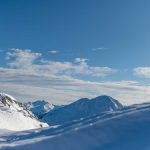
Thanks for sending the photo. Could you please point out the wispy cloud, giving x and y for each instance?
(99, 49)
(81, 60)
(54, 51)
(28, 72)
(19, 58)
(65, 89)
(142, 71)
(30, 77)
(25, 61)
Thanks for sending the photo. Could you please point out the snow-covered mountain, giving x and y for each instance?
(41, 107)
(126, 129)
(81, 109)
(15, 116)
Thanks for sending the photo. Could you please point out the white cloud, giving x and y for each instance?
(25, 61)
(54, 51)
(99, 49)
(142, 71)
(22, 58)
(81, 60)
(65, 89)
(84, 68)
(54, 81)
(28, 72)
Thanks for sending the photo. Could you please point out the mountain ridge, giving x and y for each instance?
(82, 108)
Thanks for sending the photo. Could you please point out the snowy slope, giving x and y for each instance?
(81, 109)
(127, 129)
(15, 116)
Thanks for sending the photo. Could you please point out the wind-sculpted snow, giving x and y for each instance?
(126, 129)
(81, 109)
(15, 116)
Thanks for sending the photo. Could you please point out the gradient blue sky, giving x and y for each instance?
(113, 34)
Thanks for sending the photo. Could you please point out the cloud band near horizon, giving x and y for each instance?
(29, 76)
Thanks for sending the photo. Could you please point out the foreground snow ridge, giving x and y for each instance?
(126, 129)
(15, 116)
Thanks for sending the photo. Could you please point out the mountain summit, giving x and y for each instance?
(40, 107)
(82, 108)
(15, 116)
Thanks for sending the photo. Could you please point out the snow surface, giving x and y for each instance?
(14, 115)
(81, 109)
(126, 129)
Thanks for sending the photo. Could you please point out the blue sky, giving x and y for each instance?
(100, 41)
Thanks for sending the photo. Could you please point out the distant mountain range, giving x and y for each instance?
(101, 123)
(80, 109)
(124, 128)
(15, 115)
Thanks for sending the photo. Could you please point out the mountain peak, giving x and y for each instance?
(82, 108)
(14, 115)
(103, 97)
(109, 101)
(6, 99)
(40, 107)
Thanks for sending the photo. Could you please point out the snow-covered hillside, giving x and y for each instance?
(105, 125)
(126, 129)
(15, 116)
(81, 109)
